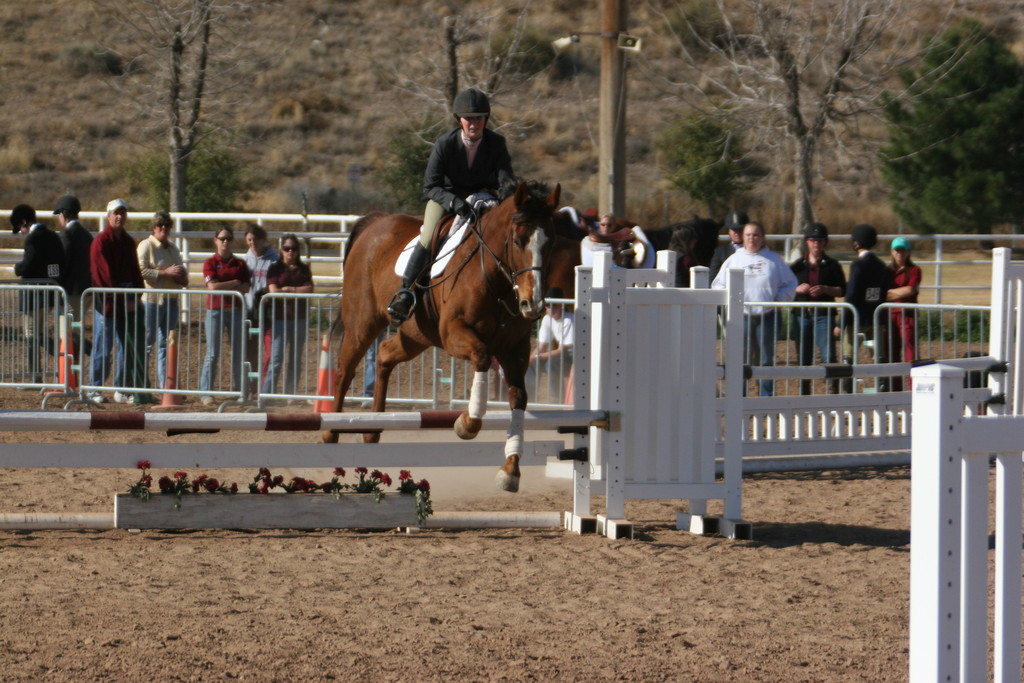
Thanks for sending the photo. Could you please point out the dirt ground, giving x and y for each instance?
(820, 594)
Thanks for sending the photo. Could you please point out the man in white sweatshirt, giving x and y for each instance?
(766, 277)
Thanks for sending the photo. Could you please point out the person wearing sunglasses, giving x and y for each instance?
(288, 327)
(162, 268)
(223, 273)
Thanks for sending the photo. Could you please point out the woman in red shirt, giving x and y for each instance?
(289, 328)
(906, 281)
(223, 272)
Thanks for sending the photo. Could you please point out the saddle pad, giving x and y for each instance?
(444, 255)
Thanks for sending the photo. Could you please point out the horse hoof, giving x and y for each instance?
(506, 481)
(329, 437)
(467, 427)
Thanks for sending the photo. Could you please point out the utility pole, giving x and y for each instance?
(612, 147)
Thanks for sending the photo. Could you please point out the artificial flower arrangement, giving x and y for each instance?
(374, 482)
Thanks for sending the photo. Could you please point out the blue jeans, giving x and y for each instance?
(160, 319)
(216, 321)
(759, 339)
(287, 335)
(105, 329)
(814, 328)
(370, 366)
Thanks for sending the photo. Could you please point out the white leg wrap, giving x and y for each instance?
(478, 395)
(514, 436)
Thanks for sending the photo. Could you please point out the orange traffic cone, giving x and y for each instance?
(171, 401)
(64, 358)
(326, 378)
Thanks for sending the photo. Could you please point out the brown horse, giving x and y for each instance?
(483, 305)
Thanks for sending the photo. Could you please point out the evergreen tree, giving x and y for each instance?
(701, 154)
(955, 157)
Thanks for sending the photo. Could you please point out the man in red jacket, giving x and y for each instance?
(114, 264)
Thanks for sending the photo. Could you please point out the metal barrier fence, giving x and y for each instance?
(243, 369)
(30, 336)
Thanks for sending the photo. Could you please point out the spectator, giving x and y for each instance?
(77, 242)
(906, 282)
(258, 260)
(223, 272)
(553, 355)
(289, 327)
(766, 277)
(866, 289)
(162, 268)
(114, 264)
(735, 222)
(820, 279)
(42, 260)
(684, 243)
(467, 159)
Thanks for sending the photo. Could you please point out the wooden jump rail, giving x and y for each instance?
(344, 423)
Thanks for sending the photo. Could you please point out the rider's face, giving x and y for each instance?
(473, 127)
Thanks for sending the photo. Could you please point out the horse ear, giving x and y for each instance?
(522, 194)
(553, 197)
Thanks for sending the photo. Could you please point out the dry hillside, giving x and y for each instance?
(322, 100)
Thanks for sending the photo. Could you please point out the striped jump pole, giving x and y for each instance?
(182, 423)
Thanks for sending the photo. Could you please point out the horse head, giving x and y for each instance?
(531, 232)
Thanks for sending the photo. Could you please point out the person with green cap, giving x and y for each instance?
(906, 282)
(467, 159)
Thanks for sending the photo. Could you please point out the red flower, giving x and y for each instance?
(361, 470)
(264, 472)
(339, 471)
(181, 476)
(327, 486)
(143, 465)
(424, 485)
(234, 487)
(404, 474)
(278, 480)
(385, 479)
(165, 484)
(211, 485)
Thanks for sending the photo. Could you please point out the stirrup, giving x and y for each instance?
(402, 303)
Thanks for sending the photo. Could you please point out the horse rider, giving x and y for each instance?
(467, 159)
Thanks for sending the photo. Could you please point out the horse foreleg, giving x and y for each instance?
(515, 374)
(467, 426)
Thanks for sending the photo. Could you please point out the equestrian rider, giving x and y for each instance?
(467, 159)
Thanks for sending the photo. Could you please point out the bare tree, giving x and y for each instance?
(189, 55)
(797, 76)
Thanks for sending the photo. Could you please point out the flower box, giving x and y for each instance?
(266, 511)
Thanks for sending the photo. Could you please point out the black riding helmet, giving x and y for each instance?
(816, 231)
(471, 102)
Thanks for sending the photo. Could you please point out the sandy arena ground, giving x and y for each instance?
(820, 594)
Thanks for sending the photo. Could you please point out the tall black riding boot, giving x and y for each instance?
(402, 303)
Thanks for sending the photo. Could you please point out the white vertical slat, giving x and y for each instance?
(937, 442)
(973, 567)
(1007, 628)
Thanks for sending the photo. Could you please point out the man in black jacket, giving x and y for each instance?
(465, 160)
(41, 264)
(866, 288)
(735, 222)
(77, 241)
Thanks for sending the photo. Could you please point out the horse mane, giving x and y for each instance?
(535, 209)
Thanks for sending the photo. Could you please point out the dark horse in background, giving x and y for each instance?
(483, 305)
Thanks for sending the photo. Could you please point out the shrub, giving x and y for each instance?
(81, 59)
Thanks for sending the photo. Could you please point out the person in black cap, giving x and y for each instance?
(40, 264)
(821, 280)
(866, 290)
(466, 160)
(734, 222)
(77, 241)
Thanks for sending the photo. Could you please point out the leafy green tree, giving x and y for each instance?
(216, 179)
(955, 157)
(702, 158)
(405, 162)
